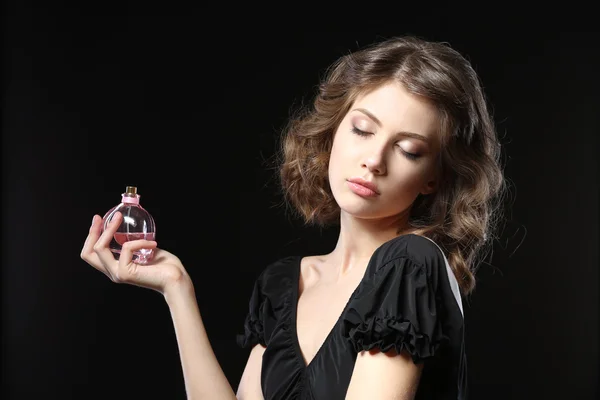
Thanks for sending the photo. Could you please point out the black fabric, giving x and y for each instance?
(403, 302)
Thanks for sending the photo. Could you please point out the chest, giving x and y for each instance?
(318, 311)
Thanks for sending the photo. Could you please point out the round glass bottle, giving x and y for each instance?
(137, 223)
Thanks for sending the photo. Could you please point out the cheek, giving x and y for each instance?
(407, 180)
(346, 147)
(338, 156)
(333, 161)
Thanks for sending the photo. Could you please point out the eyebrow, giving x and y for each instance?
(378, 122)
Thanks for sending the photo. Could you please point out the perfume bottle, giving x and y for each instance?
(137, 223)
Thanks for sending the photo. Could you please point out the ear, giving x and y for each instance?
(430, 187)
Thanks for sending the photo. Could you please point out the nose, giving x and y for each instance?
(375, 163)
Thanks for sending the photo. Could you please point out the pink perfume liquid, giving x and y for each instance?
(121, 237)
(137, 223)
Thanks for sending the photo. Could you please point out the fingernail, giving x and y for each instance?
(93, 218)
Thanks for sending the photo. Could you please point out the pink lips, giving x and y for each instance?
(363, 187)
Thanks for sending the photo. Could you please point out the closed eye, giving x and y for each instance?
(410, 156)
(360, 132)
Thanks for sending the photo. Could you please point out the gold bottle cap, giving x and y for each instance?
(131, 191)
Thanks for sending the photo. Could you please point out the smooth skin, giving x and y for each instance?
(373, 149)
(204, 378)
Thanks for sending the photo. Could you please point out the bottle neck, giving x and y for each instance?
(130, 199)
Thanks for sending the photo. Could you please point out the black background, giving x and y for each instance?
(190, 115)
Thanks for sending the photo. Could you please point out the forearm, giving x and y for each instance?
(203, 376)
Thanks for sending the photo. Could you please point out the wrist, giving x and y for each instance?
(179, 290)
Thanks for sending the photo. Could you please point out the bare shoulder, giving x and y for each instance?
(312, 269)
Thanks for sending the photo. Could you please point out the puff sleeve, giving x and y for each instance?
(268, 302)
(397, 308)
(254, 323)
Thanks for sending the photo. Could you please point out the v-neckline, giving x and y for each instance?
(294, 313)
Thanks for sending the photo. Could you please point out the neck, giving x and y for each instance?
(359, 238)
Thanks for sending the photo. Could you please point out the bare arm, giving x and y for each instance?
(250, 388)
(384, 376)
(203, 376)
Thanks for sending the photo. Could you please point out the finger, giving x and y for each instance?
(101, 248)
(109, 232)
(87, 252)
(91, 239)
(129, 271)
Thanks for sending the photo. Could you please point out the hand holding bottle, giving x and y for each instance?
(163, 272)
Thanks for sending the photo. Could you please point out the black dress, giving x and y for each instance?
(408, 299)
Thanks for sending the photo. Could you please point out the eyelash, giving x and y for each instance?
(408, 155)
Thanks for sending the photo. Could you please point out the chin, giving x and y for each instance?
(365, 215)
(363, 211)
(357, 207)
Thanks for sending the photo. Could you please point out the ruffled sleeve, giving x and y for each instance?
(269, 301)
(253, 324)
(398, 307)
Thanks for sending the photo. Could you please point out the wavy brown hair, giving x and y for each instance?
(462, 214)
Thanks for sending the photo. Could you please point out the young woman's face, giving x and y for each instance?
(388, 139)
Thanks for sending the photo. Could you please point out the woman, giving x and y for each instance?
(399, 149)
